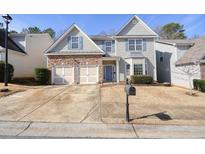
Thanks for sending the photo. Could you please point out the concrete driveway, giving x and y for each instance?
(53, 104)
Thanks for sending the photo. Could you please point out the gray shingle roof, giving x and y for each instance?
(11, 44)
(101, 37)
(195, 54)
(177, 42)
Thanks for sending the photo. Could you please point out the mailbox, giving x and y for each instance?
(130, 90)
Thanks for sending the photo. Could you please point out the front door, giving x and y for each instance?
(109, 73)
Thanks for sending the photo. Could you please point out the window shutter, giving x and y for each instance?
(69, 42)
(144, 45)
(113, 45)
(81, 42)
(126, 44)
(103, 45)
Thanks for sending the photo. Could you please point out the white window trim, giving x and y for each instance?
(143, 69)
(75, 42)
(110, 46)
(135, 45)
(126, 70)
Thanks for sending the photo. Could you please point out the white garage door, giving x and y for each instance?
(63, 75)
(88, 74)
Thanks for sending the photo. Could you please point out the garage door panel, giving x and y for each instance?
(83, 79)
(92, 71)
(88, 74)
(83, 75)
(83, 71)
(58, 71)
(68, 71)
(58, 80)
(68, 80)
(63, 75)
(92, 79)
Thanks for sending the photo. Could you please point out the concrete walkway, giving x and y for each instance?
(81, 130)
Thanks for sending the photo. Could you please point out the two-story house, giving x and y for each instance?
(76, 58)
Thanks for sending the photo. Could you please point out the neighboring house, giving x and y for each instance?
(172, 53)
(26, 52)
(195, 56)
(76, 58)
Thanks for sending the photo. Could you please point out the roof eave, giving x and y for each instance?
(64, 54)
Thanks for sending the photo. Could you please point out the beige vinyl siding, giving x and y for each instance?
(35, 45)
(135, 29)
(149, 55)
(64, 47)
(100, 44)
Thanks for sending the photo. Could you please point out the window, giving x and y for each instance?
(139, 45)
(128, 69)
(1, 58)
(74, 42)
(131, 45)
(138, 69)
(135, 45)
(108, 46)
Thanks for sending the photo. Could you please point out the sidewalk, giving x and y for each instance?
(78, 130)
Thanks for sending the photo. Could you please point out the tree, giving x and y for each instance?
(171, 31)
(50, 31)
(103, 33)
(25, 31)
(112, 31)
(34, 30)
(190, 71)
(13, 32)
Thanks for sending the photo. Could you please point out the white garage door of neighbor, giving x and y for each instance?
(88, 74)
(63, 75)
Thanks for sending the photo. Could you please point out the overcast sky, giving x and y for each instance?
(95, 24)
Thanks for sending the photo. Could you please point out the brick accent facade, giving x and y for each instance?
(202, 69)
(76, 60)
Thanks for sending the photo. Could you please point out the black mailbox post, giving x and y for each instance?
(129, 90)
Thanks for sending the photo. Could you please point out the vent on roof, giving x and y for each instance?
(134, 21)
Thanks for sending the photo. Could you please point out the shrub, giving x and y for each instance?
(199, 85)
(202, 85)
(42, 75)
(141, 79)
(196, 84)
(10, 71)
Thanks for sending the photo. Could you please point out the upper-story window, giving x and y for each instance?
(108, 46)
(135, 45)
(74, 42)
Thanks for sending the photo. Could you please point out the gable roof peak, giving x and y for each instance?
(140, 20)
(66, 33)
